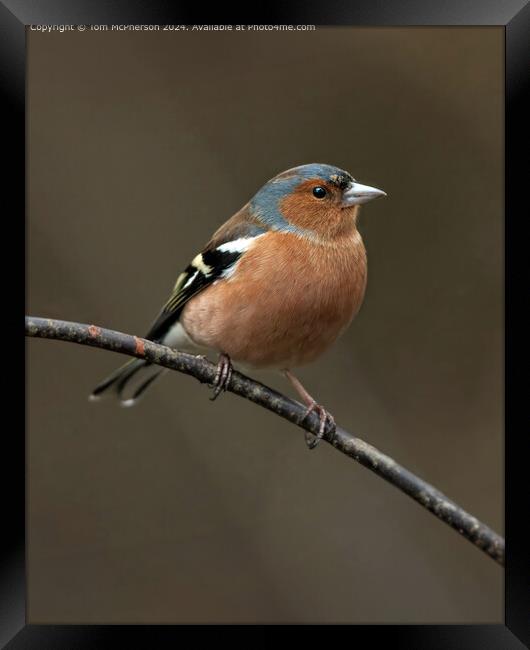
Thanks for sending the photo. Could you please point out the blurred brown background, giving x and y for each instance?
(140, 144)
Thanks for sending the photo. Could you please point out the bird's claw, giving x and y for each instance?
(326, 420)
(222, 376)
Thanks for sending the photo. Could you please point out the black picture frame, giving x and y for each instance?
(15, 15)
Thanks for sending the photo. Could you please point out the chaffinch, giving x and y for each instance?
(273, 288)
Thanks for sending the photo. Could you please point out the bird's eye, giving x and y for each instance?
(319, 192)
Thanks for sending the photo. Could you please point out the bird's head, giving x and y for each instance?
(314, 199)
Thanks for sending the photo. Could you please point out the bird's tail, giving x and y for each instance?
(128, 382)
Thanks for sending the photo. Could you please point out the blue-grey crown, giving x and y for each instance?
(328, 173)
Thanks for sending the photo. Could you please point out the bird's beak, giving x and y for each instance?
(357, 194)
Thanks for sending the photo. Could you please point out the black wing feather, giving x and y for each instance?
(210, 266)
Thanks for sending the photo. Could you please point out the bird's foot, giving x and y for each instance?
(326, 420)
(222, 376)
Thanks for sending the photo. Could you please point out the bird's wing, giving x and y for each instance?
(216, 261)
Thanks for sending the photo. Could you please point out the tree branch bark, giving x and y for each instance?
(426, 495)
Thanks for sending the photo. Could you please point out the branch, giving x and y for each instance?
(426, 495)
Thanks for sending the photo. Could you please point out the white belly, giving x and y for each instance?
(178, 339)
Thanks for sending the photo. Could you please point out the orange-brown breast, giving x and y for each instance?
(286, 303)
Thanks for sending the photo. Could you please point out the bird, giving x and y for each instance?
(273, 288)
